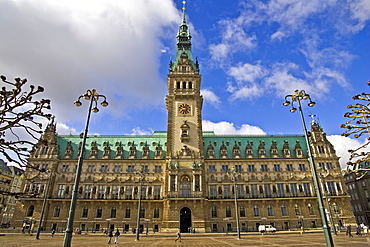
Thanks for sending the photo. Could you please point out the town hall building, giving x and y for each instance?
(187, 181)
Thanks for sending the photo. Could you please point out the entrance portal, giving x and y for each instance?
(185, 219)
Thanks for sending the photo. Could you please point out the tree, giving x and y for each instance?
(358, 125)
(20, 119)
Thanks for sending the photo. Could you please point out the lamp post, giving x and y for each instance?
(297, 96)
(44, 205)
(232, 172)
(327, 199)
(92, 96)
(141, 175)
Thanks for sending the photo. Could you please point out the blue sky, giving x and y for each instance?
(251, 54)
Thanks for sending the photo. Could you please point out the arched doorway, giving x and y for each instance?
(185, 219)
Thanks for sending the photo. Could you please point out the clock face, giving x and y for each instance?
(184, 109)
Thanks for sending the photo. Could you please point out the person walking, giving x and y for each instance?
(358, 231)
(366, 230)
(349, 233)
(110, 235)
(116, 236)
(52, 233)
(178, 236)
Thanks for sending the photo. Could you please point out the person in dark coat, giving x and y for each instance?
(349, 231)
(178, 236)
(110, 235)
(116, 236)
(358, 231)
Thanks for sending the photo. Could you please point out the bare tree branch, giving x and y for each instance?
(20, 114)
(358, 125)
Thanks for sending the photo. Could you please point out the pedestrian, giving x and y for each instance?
(366, 230)
(110, 235)
(349, 231)
(178, 236)
(358, 231)
(52, 233)
(23, 229)
(116, 236)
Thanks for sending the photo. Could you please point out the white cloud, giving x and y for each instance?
(342, 144)
(71, 46)
(224, 127)
(139, 131)
(210, 97)
(64, 129)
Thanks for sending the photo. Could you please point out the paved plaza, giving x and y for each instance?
(286, 239)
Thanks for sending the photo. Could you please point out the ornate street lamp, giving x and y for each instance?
(141, 174)
(44, 205)
(92, 96)
(233, 173)
(297, 96)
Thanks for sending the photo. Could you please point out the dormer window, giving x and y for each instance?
(261, 150)
(223, 151)
(286, 150)
(158, 152)
(132, 152)
(210, 152)
(236, 151)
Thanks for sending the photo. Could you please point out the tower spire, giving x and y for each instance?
(183, 44)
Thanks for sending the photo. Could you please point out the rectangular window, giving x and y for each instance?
(329, 165)
(228, 212)
(156, 213)
(104, 168)
(289, 167)
(264, 168)
(158, 169)
(91, 168)
(61, 190)
(88, 191)
(157, 192)
(212, 191)
(302, 167)
(240, 190)
(211, 168)
(331, 188)
(65, 168)
(254, 190)
(227, 193)
(214, 212)
(225, 168)
(293, 189)
(145, 169)
(115, 191)
(101, 191)
(267, 189)
(280, 190)
(277, 168)
(251, 168)
(131, 169)
(307, 188)
(238, 168)
(322, 165)
(256, 211)
(117, 168)
(129, 192)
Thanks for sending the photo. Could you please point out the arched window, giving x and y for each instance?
(214, 212)
(128, 212)
(270, 210)
(113, 212)
(85, 212)
(242, 211)
(283, 211)
(30, 210)
(56, 211)
(190, 85)
(142, 212)
(184, 85)
(185, 186)
(178, 85)
(99, 212)
(256, 211)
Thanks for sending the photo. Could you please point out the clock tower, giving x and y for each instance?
(184, 102)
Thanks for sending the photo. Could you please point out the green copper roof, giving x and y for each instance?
(159, 138)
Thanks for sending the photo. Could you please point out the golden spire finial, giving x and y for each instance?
(183, 5)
